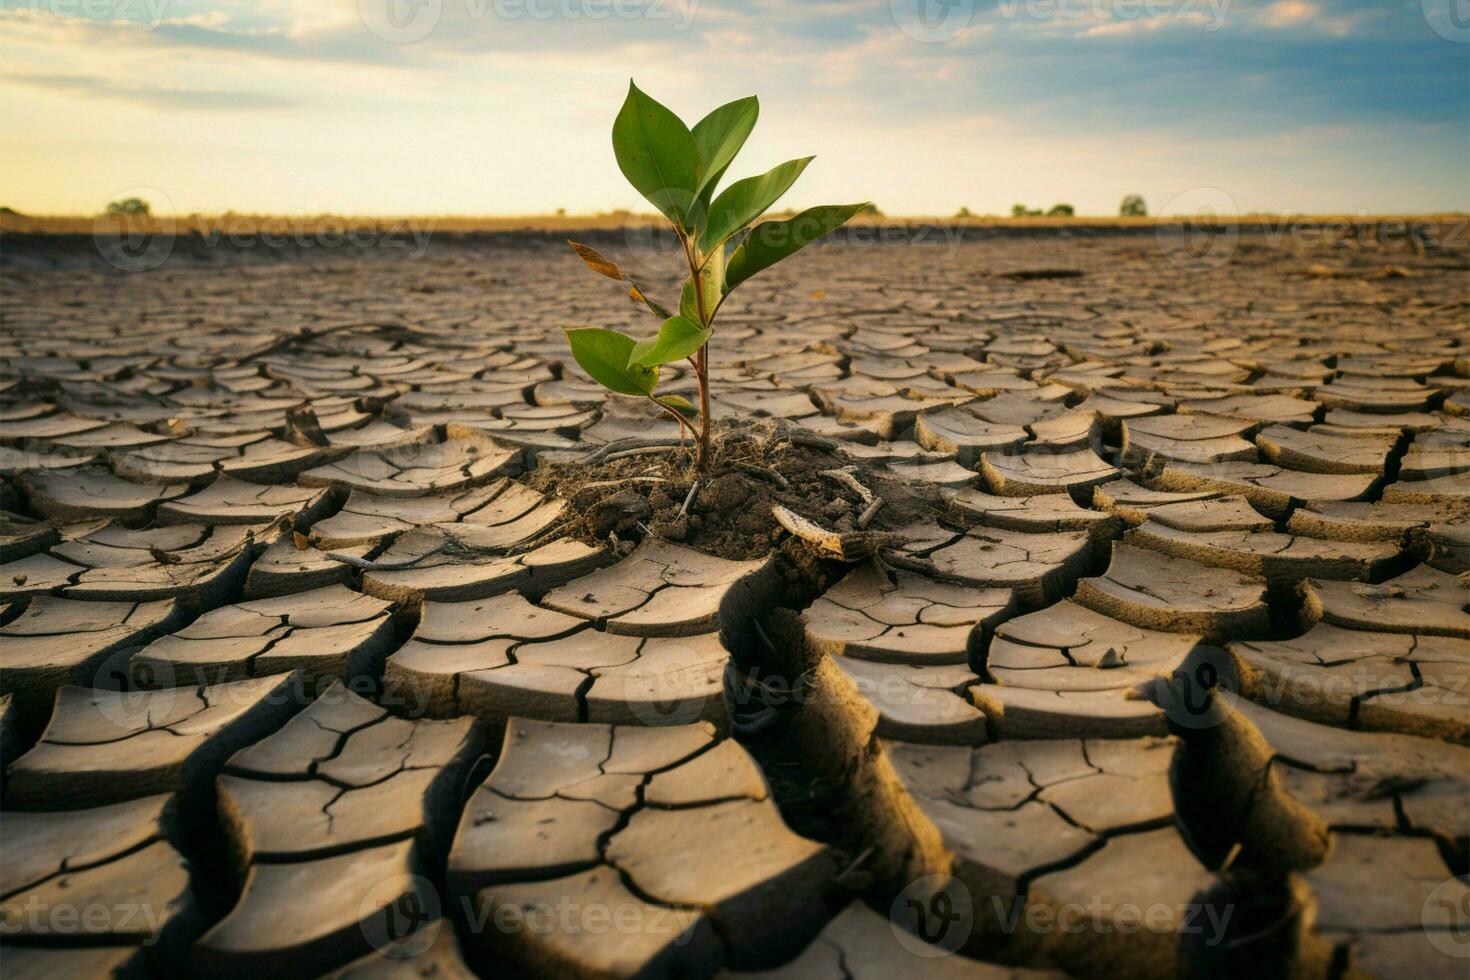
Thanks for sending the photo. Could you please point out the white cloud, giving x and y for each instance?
(1119, 28)
(1287, 13)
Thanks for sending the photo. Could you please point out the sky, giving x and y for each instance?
(504, 107)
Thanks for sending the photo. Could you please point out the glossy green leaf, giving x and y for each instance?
(745, 200)
(712, 284)
(676, 339)
(657, 153)
(602, 265)
(679, 404)
(604, 355)
(687, 306)
(719, 137)
(771, 241)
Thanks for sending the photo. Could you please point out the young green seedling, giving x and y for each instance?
(677, 169)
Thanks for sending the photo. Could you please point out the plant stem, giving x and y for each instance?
(703, 375)
(684, 423)
(701, 359)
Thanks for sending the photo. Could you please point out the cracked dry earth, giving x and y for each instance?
(299, 678)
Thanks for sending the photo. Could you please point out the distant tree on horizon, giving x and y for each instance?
(1133, 206)
(1061, 211)
(131, 206)
(1022, 211)
(963, 213)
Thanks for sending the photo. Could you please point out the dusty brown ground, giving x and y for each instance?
(332, 639)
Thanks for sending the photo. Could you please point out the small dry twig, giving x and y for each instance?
(765, 473)
(387, 566)
(845, 477)
(867, 516)
(853, 546)
(601, 453)
(639, 451)
(689, 499)
(798, 438)
(627, 479)
(856, 863)
(753, 723)
(894, 560)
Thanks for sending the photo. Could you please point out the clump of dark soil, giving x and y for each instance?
(753, 467)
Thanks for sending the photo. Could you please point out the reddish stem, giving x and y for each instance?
(703, 375)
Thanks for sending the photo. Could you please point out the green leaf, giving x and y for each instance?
(771, 241)
(687, 305)
(745, 200)
(719, 137)
(679, 404)
(712, 284)
(602, 265)
(657, 153)
(604, 354)
(676, 339)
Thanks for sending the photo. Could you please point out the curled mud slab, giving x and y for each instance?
(1024, 625)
